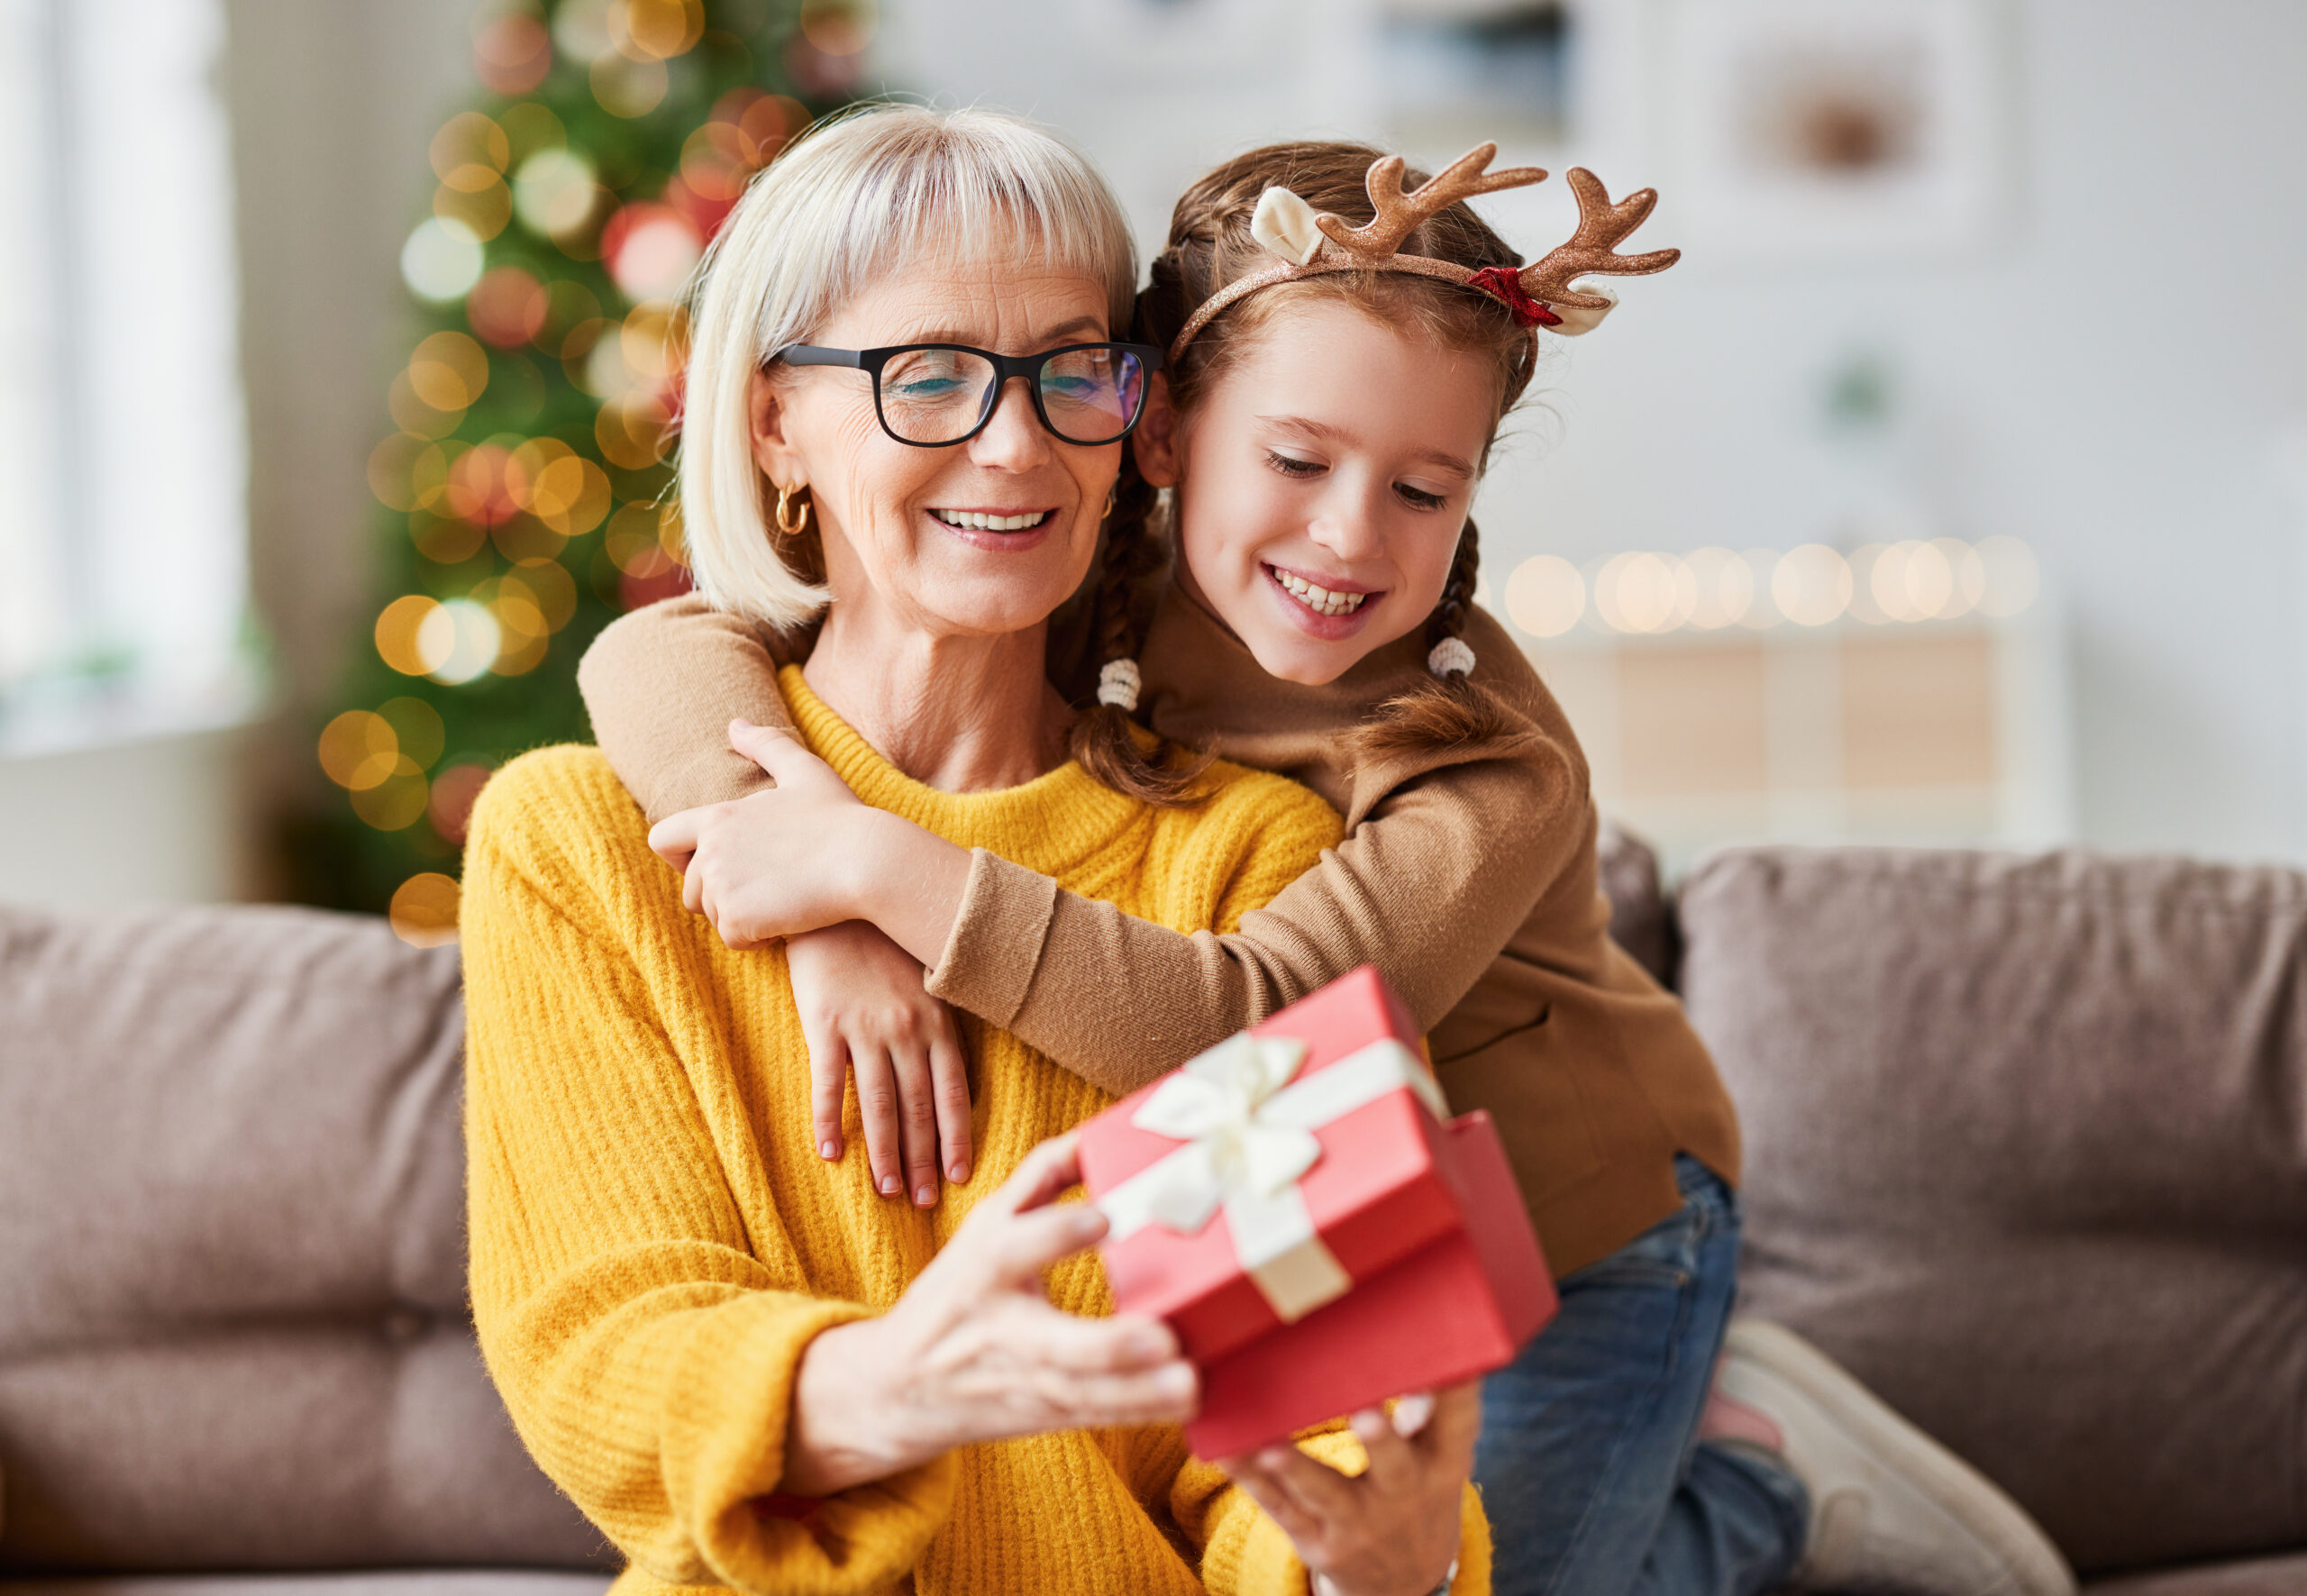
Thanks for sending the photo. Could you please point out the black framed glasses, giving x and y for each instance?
(932, 396)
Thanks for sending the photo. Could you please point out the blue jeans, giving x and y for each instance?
(1590, 1465)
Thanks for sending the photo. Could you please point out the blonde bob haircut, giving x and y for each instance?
(857, 197)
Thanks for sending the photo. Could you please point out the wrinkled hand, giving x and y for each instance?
(974, 1351)
(776, 864)
(863, 1009)
(1392, 1530)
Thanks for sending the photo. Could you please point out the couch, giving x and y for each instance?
(2027, 1141)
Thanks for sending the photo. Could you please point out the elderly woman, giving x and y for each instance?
(746, 1367)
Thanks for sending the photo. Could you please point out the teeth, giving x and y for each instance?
(984, 522)
(1316, 598)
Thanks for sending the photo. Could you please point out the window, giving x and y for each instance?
(123, 454)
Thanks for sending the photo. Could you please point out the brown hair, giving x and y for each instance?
(1209, 246)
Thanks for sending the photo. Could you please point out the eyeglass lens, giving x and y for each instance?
(936, 395)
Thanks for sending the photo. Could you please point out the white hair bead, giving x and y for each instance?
(1451, 654)
(1118, 684)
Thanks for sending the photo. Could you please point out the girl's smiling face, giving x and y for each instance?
(1322, 481)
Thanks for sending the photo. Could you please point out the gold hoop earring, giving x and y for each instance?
(798, 525)
(1112, 494)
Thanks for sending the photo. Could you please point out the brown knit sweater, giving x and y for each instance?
(1594, 1076)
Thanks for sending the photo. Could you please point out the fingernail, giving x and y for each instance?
(1270, 1458)
(1149, 1343)
(1175, 1381)
(958, 1172)
(889, 1186)
(926, 1194)
(828, 1151)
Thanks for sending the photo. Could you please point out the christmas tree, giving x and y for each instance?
(526, 484)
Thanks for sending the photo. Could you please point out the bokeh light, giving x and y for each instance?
(531, 127)
(441, 259)
(650, 250)
(629, 88)
(481, 212)
(397, 801)
(508, 307)
(580, 28)
(424, 912)
(413, 416)
(1545, 596)
(444, 540)
(448, 372)
(839, 27)
(634, 432)
(1713, 588)
(555, 195)
(471, 153)
(454, 795)
(458, 640)
(400, 634)
(511, 54)
(1811, 585)
(656, 30)
(359, 750)
(1635, 592)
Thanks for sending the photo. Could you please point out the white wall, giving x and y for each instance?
(2111, 380)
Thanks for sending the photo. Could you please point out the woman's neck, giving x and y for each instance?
(958, 713)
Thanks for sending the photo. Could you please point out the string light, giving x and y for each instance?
(1639, 592)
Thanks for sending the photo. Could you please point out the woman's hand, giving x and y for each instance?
(863, 1007)
(1393, 1529)
(973, 1351)
(779, 862)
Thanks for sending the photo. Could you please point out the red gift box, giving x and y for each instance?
(1297, 1206)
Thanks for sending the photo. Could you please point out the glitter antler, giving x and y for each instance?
(1601, 227)
(1398, 214)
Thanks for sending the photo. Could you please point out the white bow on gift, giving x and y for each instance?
(1249, 1137)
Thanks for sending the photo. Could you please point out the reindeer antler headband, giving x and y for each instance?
(1312, 244)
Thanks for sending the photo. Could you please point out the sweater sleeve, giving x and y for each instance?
(662, 685)
(646, 1343)
(1429, 888)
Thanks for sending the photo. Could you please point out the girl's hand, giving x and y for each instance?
(974, 1351)
(863, 1007)
(779, 862)
(1392, 1530)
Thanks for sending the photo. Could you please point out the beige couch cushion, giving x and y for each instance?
(233, 1332)
(2027, 1148)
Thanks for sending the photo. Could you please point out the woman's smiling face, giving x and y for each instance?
(979, 538)
(1322, 482)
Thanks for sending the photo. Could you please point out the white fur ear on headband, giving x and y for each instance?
(1284, 224)
(1579, 318)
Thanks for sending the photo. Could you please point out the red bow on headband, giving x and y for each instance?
(1504, 284)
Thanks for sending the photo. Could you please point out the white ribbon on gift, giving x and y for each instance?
(1248, 1131)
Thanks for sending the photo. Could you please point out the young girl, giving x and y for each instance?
(1340, 356)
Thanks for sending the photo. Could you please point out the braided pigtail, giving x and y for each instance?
(1450, 709)
(1103, 738)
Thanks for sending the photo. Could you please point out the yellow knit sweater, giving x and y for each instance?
(655, 1241)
